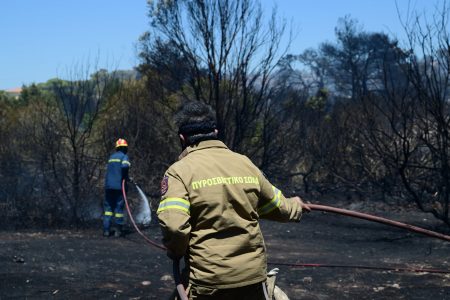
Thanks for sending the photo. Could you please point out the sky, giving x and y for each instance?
(44, 39)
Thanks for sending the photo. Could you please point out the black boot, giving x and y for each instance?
(118, 231)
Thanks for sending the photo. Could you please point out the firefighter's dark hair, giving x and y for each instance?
(196, 121)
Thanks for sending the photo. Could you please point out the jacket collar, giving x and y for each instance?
(202, 145)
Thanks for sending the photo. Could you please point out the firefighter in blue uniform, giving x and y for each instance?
(117, 170)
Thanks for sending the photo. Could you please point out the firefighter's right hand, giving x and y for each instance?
(305, 207)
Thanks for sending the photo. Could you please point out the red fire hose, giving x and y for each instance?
(392, 268)
(134, 223)
(345, 212)
(359, 215)
(176, 263)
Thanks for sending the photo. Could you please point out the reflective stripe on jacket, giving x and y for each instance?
(117, 169)
(211, 203)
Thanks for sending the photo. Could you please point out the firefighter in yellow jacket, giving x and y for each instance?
(212, 199)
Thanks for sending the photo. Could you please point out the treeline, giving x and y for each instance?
(363, 114)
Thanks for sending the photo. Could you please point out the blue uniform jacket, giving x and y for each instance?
(118, 165)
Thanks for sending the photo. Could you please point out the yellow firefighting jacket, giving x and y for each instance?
(211, 201)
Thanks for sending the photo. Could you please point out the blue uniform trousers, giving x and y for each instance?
(113, 207)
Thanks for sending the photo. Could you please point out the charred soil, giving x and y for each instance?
(82, 264)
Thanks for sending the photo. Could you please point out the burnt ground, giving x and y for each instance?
(63, 264)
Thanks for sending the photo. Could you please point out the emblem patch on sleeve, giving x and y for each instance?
(164, 185)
